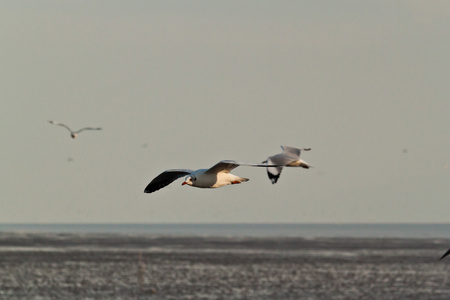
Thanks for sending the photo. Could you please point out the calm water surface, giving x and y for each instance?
(251, 230)
(223, 261)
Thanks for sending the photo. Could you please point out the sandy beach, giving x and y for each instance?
(112, 266)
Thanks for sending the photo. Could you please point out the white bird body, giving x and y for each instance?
(74, 134)
(205, 179)
(290, 157)
(217, 176)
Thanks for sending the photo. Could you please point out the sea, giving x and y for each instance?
(306, 230)
(224, 261)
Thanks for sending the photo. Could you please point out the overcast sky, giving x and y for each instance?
(185, 84)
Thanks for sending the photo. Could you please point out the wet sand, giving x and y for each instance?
(108, 266)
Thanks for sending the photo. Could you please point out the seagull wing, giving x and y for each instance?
(275, 172)
(165, 178)
(227, 165)
(281, 159)
(60, 124)
(445, 254)
(88, 128)
(292, 151)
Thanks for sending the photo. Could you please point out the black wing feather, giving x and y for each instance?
(87, 128)
(273, 177)
(445, 254)
(164, 179)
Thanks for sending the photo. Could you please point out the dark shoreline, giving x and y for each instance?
(105, 240)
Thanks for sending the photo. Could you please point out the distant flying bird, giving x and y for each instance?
(290, 157)
(445, 254)
(74, 134)
(217, 176)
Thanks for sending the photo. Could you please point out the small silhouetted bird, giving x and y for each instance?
(74, 134)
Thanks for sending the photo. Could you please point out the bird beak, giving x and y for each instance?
(184, 182)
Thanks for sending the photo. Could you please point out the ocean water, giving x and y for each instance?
(251, 230)
(224, 261)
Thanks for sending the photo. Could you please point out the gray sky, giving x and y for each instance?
(359, 82)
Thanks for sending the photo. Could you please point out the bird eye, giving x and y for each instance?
(194, 179)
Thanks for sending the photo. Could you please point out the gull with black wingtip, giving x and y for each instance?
(217, 176)
(290, 157)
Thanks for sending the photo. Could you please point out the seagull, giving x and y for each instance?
(290, 157)
(217, 176)
(74, 134)
(445, 254)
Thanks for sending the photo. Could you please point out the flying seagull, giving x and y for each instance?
(445, 254)
(74, 134)
(290, 157)
(214, 177)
